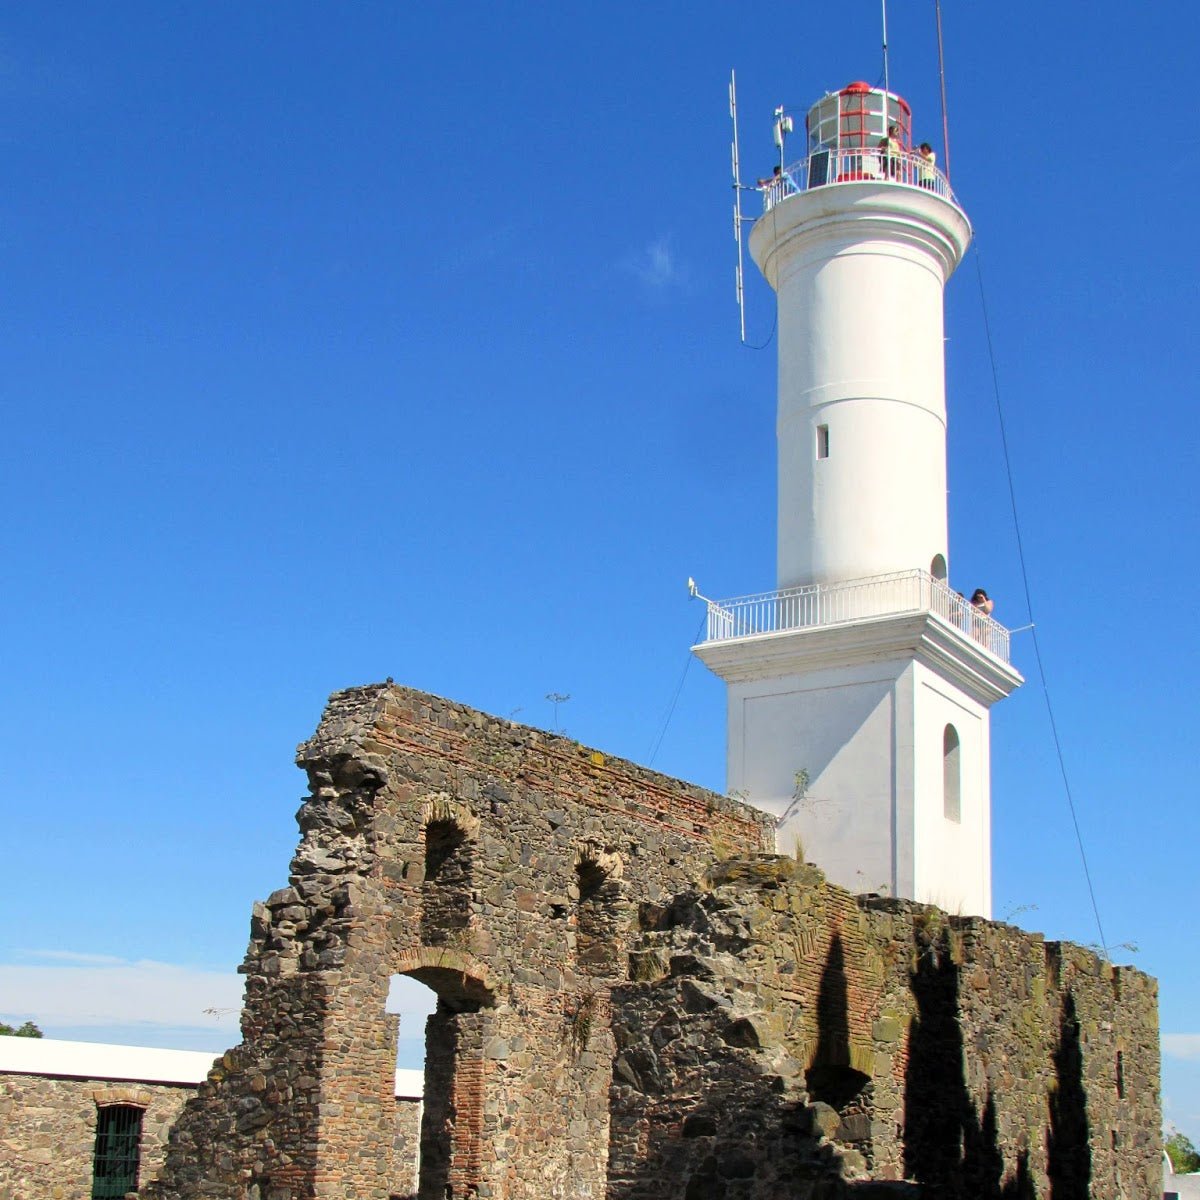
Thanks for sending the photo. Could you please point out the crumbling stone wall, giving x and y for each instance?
(780, 1037)
(48, 1131)
(501, 866)
(635, 999)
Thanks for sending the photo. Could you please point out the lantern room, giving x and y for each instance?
(857, 117)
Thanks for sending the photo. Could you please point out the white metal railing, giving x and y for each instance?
(823, 168)
(822, 604)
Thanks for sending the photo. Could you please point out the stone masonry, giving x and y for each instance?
(48, 1131)
(637, 999)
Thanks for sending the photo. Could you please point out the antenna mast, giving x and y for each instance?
(886, 86)
(737, 204)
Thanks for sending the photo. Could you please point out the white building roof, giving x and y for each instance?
(134, 1064)
(410, 1085)
(95, 1060)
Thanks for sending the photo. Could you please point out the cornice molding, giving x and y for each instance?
(922, 637)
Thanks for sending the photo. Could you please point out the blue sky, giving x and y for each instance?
(350, 341)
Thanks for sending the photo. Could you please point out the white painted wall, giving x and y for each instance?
(870, 737)
(838, 726)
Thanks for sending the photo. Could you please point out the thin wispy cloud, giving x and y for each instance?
(657, 266)
(84, 991)
(1182, 1045)
(74, 957)
(98, 990)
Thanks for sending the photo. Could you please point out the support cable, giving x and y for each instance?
(775, 319)
(678, 688)
(1012, 496)
(937, 8)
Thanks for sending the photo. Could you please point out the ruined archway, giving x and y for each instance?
(456, 1035)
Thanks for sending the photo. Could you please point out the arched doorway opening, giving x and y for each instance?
(454, 998)
(409, 1006)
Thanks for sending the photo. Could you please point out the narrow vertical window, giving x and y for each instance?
(1120, 1075)
(446, 892)
(822, 441)
(118, 1150)
(951, 775)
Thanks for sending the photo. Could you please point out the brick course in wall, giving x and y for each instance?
(636, 999)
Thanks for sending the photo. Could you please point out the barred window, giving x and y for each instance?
(118, 1148)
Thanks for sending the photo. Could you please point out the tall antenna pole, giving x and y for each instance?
(737, 205)
(886, 85)
(937, 8)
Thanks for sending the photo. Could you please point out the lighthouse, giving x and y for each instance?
(859, 691)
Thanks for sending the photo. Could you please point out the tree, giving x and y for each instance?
(1185, 1158)
(29, 1029)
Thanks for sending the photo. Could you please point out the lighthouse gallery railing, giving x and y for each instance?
(825, 167)
(853, 600)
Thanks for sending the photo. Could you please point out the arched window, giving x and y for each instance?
(937, 568)
(118, 1151)
(951, 775)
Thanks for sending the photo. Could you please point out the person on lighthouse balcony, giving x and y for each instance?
(983, 602)
(981, 605)
(926, 168)
(892, 149)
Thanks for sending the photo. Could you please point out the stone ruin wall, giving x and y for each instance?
(636, 999)
(48, 1131)
(777, 1030)
(450, 846)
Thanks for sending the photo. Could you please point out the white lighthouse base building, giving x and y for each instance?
(868, 740)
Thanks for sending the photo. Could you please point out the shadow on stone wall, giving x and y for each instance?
(841, 1094)
(950, 1148)
(707, 1103)
(1068, 1151)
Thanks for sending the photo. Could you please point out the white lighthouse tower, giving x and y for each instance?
(859, 691)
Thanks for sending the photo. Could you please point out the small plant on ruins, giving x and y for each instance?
(722, 847)
(648, 966)
(1106, 952)
(1016, 911)
(801, 801)
(798, 848)
(581, 1020)
(880, 889)
(929, 924)
(934, 936)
